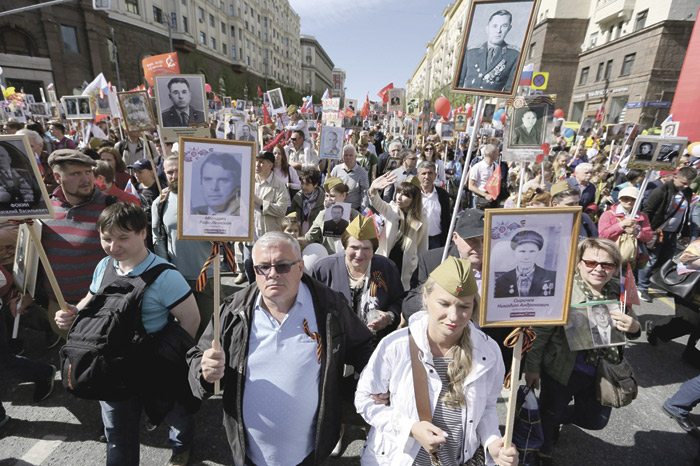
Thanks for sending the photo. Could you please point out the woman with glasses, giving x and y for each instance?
(285, 172)
(563, 374)
(430, 153)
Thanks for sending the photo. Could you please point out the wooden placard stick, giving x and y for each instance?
(47, 268)
(217, 299)
(513, 395)
(147, 151)
(522, 180)
(15, 326)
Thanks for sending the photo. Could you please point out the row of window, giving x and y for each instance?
(605, 69)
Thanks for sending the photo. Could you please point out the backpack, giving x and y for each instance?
(106, 347)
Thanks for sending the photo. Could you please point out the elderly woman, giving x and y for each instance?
(464, 373)
(617, 222)
(371, 283)
(564, 374)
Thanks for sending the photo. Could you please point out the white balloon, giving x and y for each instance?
(312, 254)
(497, 124)
(696, 151)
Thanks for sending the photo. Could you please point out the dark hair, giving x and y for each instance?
(122, 215)
(346, 236)
(566, 193)
(36, 127)
(105, 169)
(502, 13)
(300, 133)
(310, 175)
(119, 162)
(92, 153)
(689, 173)
(284, 163)
(338, 206)
(341, 188)
(223, 160)
(178, 81)
(633, 174)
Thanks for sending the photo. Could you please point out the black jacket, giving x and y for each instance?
(351, 343)
(659, 201)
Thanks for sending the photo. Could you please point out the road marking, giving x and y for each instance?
(42, 450)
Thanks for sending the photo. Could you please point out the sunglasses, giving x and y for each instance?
(428, 149)
(607, 266)
(281, 269)
(293, 139)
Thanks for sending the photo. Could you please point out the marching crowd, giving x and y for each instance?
(374, 329)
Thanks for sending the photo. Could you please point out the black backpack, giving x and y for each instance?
(107, 345)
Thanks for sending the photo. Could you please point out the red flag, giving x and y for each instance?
(266, 116)
(260, 93)
(600, 113)
(278, 140)
(629, 287)
(384, 93)
(493, 185)
(365, 107)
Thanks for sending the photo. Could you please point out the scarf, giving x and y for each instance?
(308, 202)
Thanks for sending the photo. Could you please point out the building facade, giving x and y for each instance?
(316, 67)
(338, 89)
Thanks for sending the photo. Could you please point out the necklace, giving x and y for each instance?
(364, 274)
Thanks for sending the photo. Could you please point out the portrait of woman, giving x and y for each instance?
(528, 130)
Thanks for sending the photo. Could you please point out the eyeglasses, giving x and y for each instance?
(428, 149)
(293, 139)
(607, 266)
(281, 269)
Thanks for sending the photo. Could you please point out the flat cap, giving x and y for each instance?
(470, 224)
(70, 156)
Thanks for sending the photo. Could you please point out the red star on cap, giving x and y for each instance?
(459, 288)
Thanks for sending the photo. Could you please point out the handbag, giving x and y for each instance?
(682, 286)
(616, 384)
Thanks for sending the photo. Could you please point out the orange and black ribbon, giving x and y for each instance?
(377, 282)
(229, 257)
(315, 336)
(28, 221)
(511, 340)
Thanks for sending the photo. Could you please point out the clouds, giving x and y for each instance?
(321, 15)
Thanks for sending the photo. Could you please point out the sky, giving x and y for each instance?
(376, 42)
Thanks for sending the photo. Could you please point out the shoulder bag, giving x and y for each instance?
(616, 384)
(681, 286)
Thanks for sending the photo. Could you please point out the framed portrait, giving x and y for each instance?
(643, 151)
(670, 129)
(670, 150)
(26, 264)
(336, 219)
(227, 102)
(614, 132)
(527, 129)
(426, 108)
(351, 104)
(491, 58)
(631, 131)
(447, 131)
(39, 110)
(331, 146)
(51, 94)
(136, 111)
(22, 189)
(396, 97)
(529, 259)
(77, 107)
(17, 113)
(460, 121)
(586, 127)
(240, 105)
(29, 99)
(245, 131)
(181, 105)
(489, 110)
(591, 326)
(214, 105)
(395, 126)
(375, 118)
(216, 186)
(102, 104)
(276, 101)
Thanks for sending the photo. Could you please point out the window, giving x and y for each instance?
(223, 49)
(157, 15)
(247, 60)
(223, 27)
(531, 53)
(599, 74)
(233, 52)
(265, 21)
(184, 2)
(584, 75)
(211, 20)
(233, 32)
(184, 24)
(173, 20)
(627, 64)
(608, 69)
(252, 12)
(594, 40)
(245, 8)
(212, 43)
(132, 6)
(247, 44)
(202, 38)
(230, 10)
(641, 20)
(70, 39)
(200, 12)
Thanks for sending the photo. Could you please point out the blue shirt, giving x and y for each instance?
(169, 290)
(281, 396)
(587, 193)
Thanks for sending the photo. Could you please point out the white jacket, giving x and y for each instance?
(389, 369)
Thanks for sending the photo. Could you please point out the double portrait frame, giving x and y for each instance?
(661, 153)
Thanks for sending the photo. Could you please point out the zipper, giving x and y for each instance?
(241, 375)
(329, 355)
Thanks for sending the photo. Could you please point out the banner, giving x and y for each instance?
(166, 63)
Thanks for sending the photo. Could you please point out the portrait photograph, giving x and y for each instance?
(670, 150)
(336, 219)
(351, 104)
(528, 267)
(276, 101)
(395, 126)
(227, 102)
(489, 110)
(29, 99)
(586, 127)
(77, 107)
(102, 104)
(136, 111)
(17, 113)
(180, 100)
(643, 151)
(490, 61)
(631, 131)
(447, 131)
(216, 190)
(26, 264)
(670, 129)
(213, 105)
(245, 131)
(39, 110)
(614, 132)
(395, 100)
(426, 108)
(22, 190)
(331, 145)
(51, 95)
(591, 326)
(460, 121)
(527, 127)
(240, 105)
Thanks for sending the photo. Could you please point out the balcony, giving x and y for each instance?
(609, 11)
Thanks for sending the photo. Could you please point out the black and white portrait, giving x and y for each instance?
(586, 127)
(603, 330)
(38, 110)
(460, 121)
(447, 131)
(395, 100)
(336, 219)
(496, 33)
(136, 110)
(670, 150)
(227, 102)
(77, 107)
(276, 100)
(643, 151)
(670, 129)
(489, 110)
(240, 105)
(426, 108)
(331, 142)
(244, 131)
(351, 104)
(220, 185)
(527, 278)
(84, 106)
(22, 190)
(528, 128)
(180, 100)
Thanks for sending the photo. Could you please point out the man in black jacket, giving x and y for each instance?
(437, 208)
(285, 330)
(667, 208)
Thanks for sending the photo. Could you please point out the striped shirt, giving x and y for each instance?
(72, 244)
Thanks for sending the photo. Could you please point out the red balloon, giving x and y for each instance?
(207, 87)
(469, 110)
(558, 113)
(539, 158)
(545, 148)
(442, 106)
(503, 118)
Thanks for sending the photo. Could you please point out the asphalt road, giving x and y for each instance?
(64, 430)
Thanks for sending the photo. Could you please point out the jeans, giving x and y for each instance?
(122, 421)
(657, 257)
(685, 399)
(555, 409)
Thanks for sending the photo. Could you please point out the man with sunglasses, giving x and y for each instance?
(300, 154)
(286, 334)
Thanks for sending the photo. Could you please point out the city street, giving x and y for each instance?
(64, 430)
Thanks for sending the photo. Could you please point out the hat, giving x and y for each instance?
(292, 215)
(57, 124)
(292, 109)
(592, 207)
(668, 173)
(141, 164)
(71, 156)
(470, 224)
(267, 155)
(362, 228)
(526, 236)
(456, 277)
(331, 182)
(413, 180)
(629, 191)
(95, 143)
(559, 187)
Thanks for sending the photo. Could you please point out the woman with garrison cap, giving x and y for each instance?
(464, 372)
(527, 278)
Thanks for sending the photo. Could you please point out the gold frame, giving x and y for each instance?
(185, 212)
(149, 108)
(461, 128)
(576, 213)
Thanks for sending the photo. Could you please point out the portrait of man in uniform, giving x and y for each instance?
(527, 278)
(181, 113)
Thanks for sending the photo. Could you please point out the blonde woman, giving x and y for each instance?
(464, 371)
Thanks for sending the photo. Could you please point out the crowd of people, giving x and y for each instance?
(346, 302)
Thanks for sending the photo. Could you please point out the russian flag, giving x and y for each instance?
(628, 288)
(307, 105)
(326, 95)
(526, 75)
(129, 188)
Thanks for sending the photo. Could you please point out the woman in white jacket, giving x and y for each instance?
(465, 373)
(405, 236)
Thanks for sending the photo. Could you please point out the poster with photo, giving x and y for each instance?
(395, 126)
(529, 259)
(447, 131)
(181, 106)
(396, 98)
(227, 102)
(136, 111)
(526, 127)
(216, 190)
(591, 326)
(460, 121)
(670, 129)
(16, 113)
(39, 110)
(277, 101)
(331, 142)
(336, 219)
(351, 104)
(643, 151)
(245, 131)
(77, 107)
(670, 150)
(26, 263)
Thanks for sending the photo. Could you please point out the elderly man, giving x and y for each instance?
(436, 205)
(406, 170)
(563, 195)
(581, 181)
(181, 113)
(354, 176)
(286, 337)
(300, 154)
